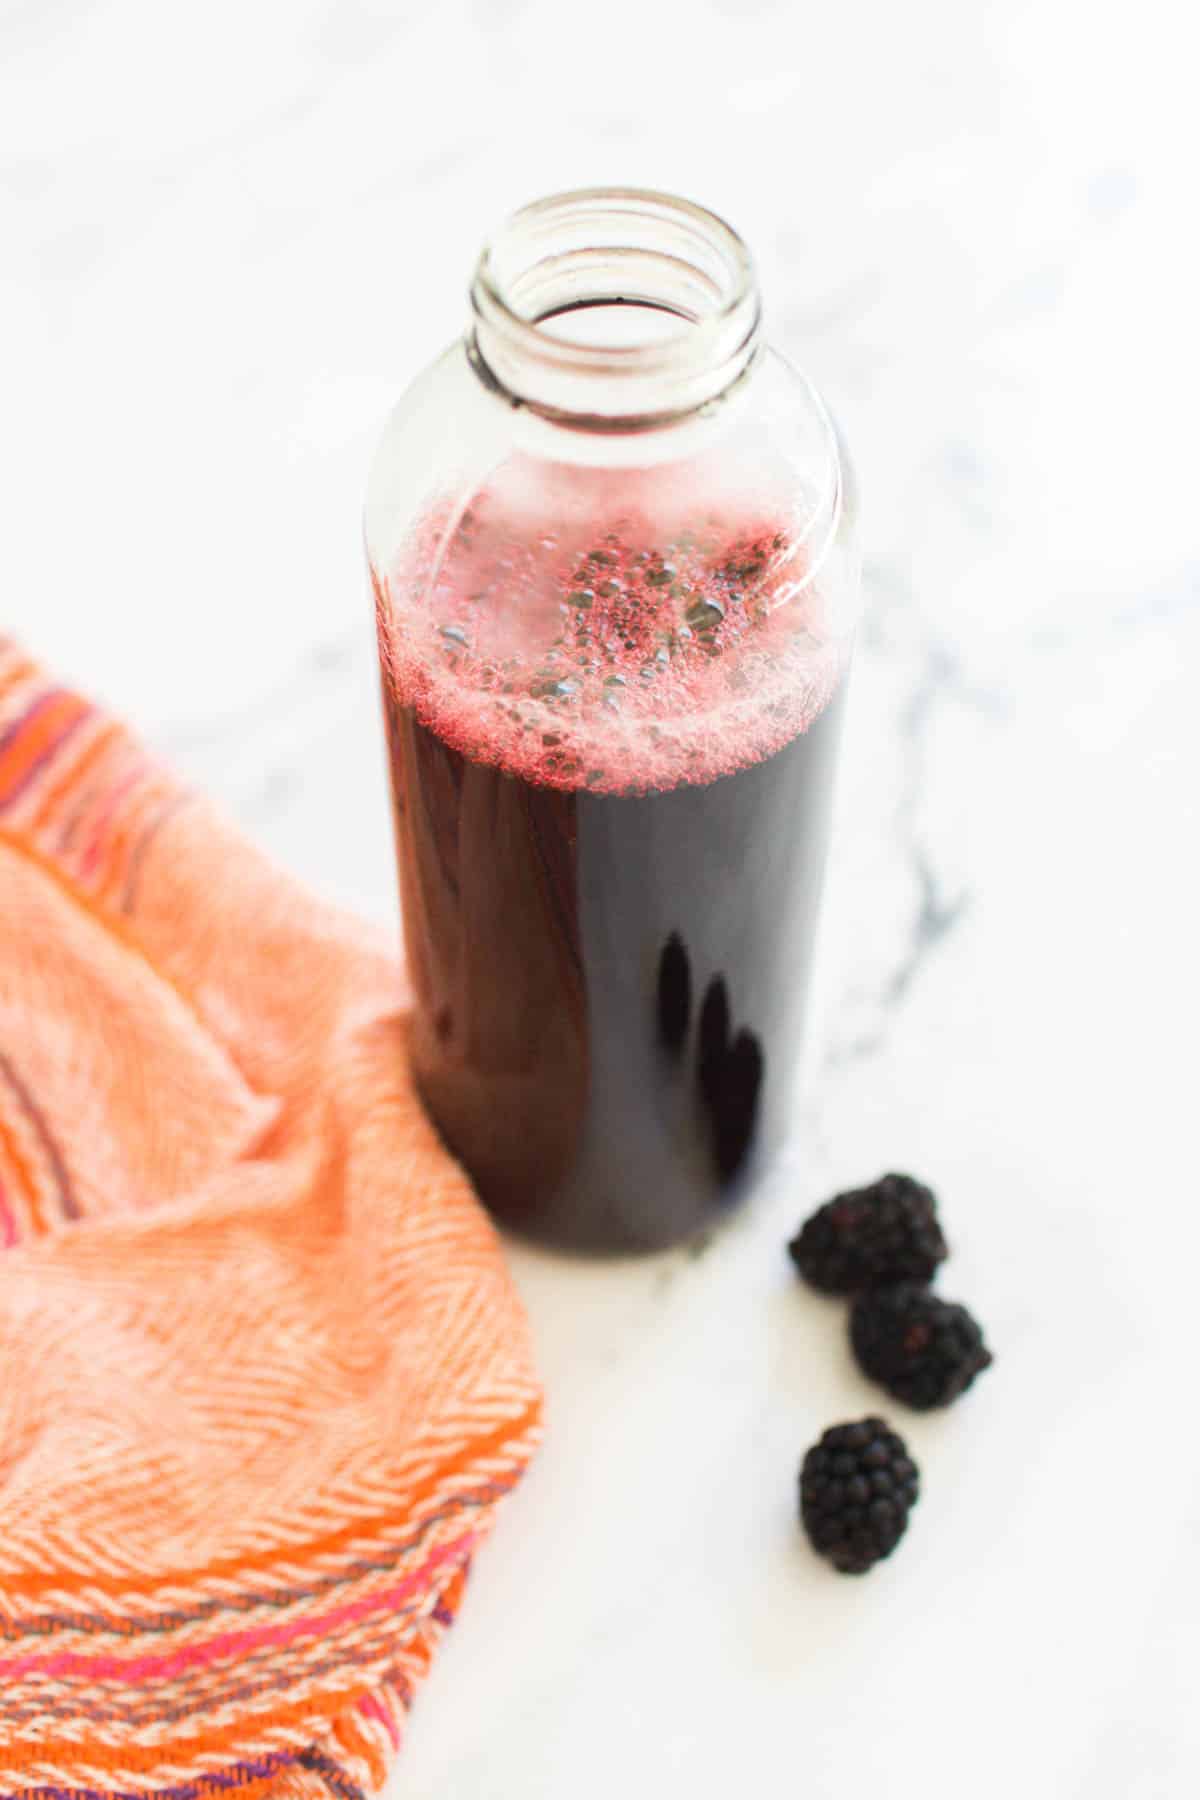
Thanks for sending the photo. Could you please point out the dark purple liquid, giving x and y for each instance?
(611, 987)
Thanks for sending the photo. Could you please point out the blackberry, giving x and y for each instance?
(923, 1350)
(871, 1237)
(857, 1487)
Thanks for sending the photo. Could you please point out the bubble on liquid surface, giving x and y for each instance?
(643, 645)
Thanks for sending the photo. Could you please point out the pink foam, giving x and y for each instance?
(614, 652)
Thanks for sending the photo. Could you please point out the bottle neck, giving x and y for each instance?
(614, 310)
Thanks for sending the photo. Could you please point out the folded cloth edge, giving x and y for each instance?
(79, 793)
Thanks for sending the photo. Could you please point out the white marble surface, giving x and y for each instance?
(228, 235)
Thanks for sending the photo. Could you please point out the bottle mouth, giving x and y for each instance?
(614, 309)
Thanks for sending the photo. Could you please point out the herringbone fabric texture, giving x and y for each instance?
(263, 1377)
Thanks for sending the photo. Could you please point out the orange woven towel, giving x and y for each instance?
(262, 1375)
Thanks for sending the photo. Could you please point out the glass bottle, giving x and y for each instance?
(612, 546)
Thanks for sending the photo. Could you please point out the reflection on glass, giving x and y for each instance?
(674, 993)
(735, 1107)
(729, 1073)
(714, 1037)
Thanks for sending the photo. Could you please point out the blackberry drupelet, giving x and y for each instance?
(871, 1237)
(857, 1487)
(923, 1350)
